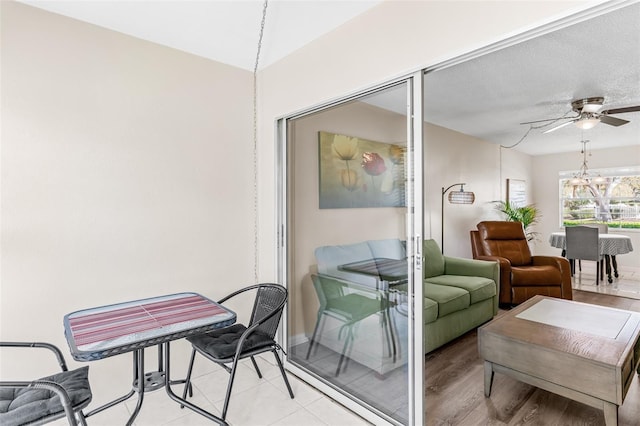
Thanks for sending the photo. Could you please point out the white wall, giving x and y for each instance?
(126, 165)
(547, 192)
(452, 157)
(392, 39)
(126, 173)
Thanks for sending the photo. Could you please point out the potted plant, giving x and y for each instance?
(528, 215)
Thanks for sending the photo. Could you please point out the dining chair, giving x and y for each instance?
(348, 303)
(582, 244)
(610, 260)
(231, 344)
(40, 401)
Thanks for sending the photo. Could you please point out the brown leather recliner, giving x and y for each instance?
(522, 275)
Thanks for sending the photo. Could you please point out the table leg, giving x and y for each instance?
(607, 263)
(122, 398)
(182, 401)
(488, 378)
(138, 384)
(614, 263)
(610, 414)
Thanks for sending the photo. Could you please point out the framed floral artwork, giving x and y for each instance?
(360, 173)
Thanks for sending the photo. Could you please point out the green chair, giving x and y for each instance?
(348, 303)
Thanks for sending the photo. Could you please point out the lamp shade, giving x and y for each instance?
(461, 197)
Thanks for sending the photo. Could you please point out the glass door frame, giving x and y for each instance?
(414, 232)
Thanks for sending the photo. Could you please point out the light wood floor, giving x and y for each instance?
(455, 388)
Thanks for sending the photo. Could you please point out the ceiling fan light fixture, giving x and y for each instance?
(587, 123)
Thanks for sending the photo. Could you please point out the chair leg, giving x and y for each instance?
(313, 336)
(598, 270)
(227, 397)
(187, 381)
(347, 341)
(255, 365)
(284, 375)
(391, 338)
(81, 418)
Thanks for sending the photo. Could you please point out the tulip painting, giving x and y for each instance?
(359, 173)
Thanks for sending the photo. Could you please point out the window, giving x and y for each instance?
(610, 196)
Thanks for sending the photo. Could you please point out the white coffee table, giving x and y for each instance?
(584, 352)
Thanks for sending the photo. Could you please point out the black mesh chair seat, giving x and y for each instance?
(222, 344)
(231, 344)
(40, 401)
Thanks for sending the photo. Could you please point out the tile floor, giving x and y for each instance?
(626, 285)
(254, 401)
(261, 402)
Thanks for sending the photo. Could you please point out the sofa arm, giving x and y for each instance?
(471, 267)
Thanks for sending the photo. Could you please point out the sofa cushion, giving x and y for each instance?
(541, 275)
(449, 299)
(479, 288)
(430, 310)
(19, 406)
(433, 260)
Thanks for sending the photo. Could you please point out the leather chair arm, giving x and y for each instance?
(565, 270)
(505, 277)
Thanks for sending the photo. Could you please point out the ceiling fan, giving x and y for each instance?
(589, 114)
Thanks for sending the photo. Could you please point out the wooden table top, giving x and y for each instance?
(597, 333)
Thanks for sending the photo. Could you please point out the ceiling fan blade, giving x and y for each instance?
(621, 110)
(552, 119)
(558, 126)
(612, 121)
(542, 121)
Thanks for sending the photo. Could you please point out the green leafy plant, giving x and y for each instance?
(527, 215)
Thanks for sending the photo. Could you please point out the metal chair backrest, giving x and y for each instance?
(269, 304)
(582, 243)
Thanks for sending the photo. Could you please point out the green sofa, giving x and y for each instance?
(459, 295)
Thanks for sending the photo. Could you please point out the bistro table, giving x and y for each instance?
(101, 332)
(610, 245)
(391, 271)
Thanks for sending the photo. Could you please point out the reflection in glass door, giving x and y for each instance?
(347, 258)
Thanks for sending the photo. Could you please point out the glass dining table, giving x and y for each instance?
(610, 245)
(130, 327)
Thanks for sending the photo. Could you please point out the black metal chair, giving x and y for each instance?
(41, 401)
(231, 344)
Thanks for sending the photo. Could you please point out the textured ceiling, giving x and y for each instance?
(490, 96)
(487, 97)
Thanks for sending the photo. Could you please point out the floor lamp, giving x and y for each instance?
(455, 197)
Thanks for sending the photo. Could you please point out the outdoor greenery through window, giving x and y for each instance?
(610, 196)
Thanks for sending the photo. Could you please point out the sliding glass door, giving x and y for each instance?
(350, 242)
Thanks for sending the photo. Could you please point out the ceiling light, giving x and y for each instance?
(583, 177)
(587, 123)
